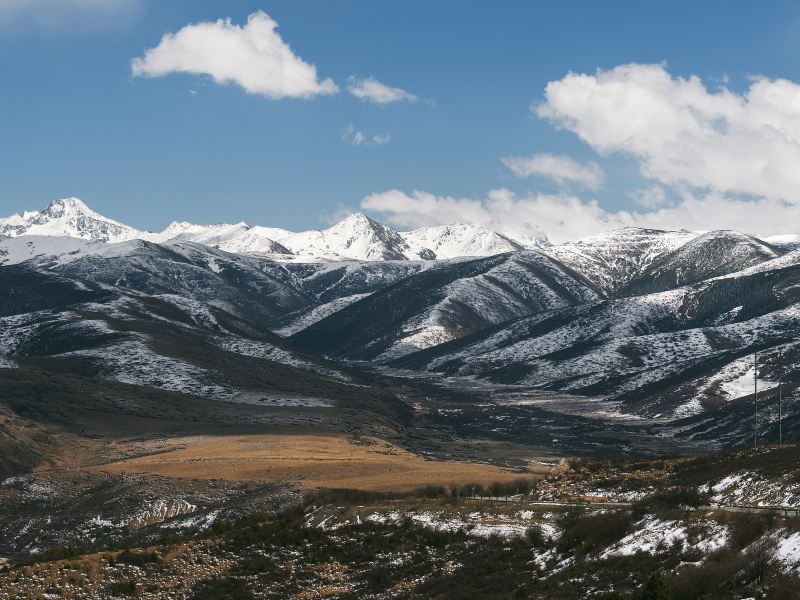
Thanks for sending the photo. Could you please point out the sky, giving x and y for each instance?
(567, 117)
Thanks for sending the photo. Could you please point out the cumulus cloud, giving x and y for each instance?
(372, 90)
(684, 134)
(561, 217)
(559, 168)
(650, 197)
(566, 217)
(55, 14)
(252, 56)
(355, 137)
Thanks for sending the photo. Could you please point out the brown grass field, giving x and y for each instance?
(311, 461)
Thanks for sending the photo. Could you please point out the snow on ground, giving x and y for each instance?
(317, 314)
(18, 330)
(425, 337)
(787, 551)
(133, 361)
(275, 354)
(749, 489)
(30, 485)
(7, 363)
(450, 241)
(201, 521)
(476, 523)
(742, 377)
(159, 510)
(654, 535)
(53, 251)
(197, 311)
(688, 409)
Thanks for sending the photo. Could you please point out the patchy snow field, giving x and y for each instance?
(653, 535)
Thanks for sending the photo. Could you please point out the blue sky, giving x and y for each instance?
(74, 120)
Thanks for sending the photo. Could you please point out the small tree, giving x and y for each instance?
(656, 588)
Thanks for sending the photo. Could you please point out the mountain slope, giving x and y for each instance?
(444, 302)
(249, 286)
(677, 352)
(121, 352)
(611, 260)
(709, 255)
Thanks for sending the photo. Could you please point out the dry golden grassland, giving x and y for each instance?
(311, 461)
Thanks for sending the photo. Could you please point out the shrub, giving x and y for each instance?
(760, 559)
(673, 498)
(745, 528)
(596, 531)
(656, 588)
(535, 536)
(123, 588)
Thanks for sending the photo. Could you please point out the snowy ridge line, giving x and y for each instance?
(355, 238)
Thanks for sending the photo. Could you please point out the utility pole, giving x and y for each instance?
(755, 400)
(780, 398)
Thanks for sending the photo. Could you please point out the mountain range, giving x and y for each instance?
(355, 238)
(652, 329)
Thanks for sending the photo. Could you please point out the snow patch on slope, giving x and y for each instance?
(275, 354)
(317, 314)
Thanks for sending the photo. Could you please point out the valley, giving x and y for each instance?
(169, 393)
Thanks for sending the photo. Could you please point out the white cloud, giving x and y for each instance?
(372, 90)
(561, 217)
(353, 136)
(56, 14)
(684, 134)
(650, 197)
(252, 56)
(566, 217)
(559, 168)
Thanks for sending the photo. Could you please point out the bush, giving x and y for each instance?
(596, 531)
(656, 588)
(760, 559)
(746, 528)
(123, 588)
(432, 491)
(535, 537)
(709, 579)
(785, 587)
(673, 498)
(137, 557)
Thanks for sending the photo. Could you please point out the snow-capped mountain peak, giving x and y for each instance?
(62, 206)
(357, 237)
(451, 241)
(68, 217)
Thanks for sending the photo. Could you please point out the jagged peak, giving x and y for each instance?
(356, 219)
(61, 206)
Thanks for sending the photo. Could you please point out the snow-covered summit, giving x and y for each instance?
(612, 259)
(68, 217)
(452, 241)
(356, 237)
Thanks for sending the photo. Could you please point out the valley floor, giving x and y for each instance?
(587, 528)
(312, 461)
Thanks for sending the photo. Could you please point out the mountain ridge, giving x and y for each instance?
(356, 237)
